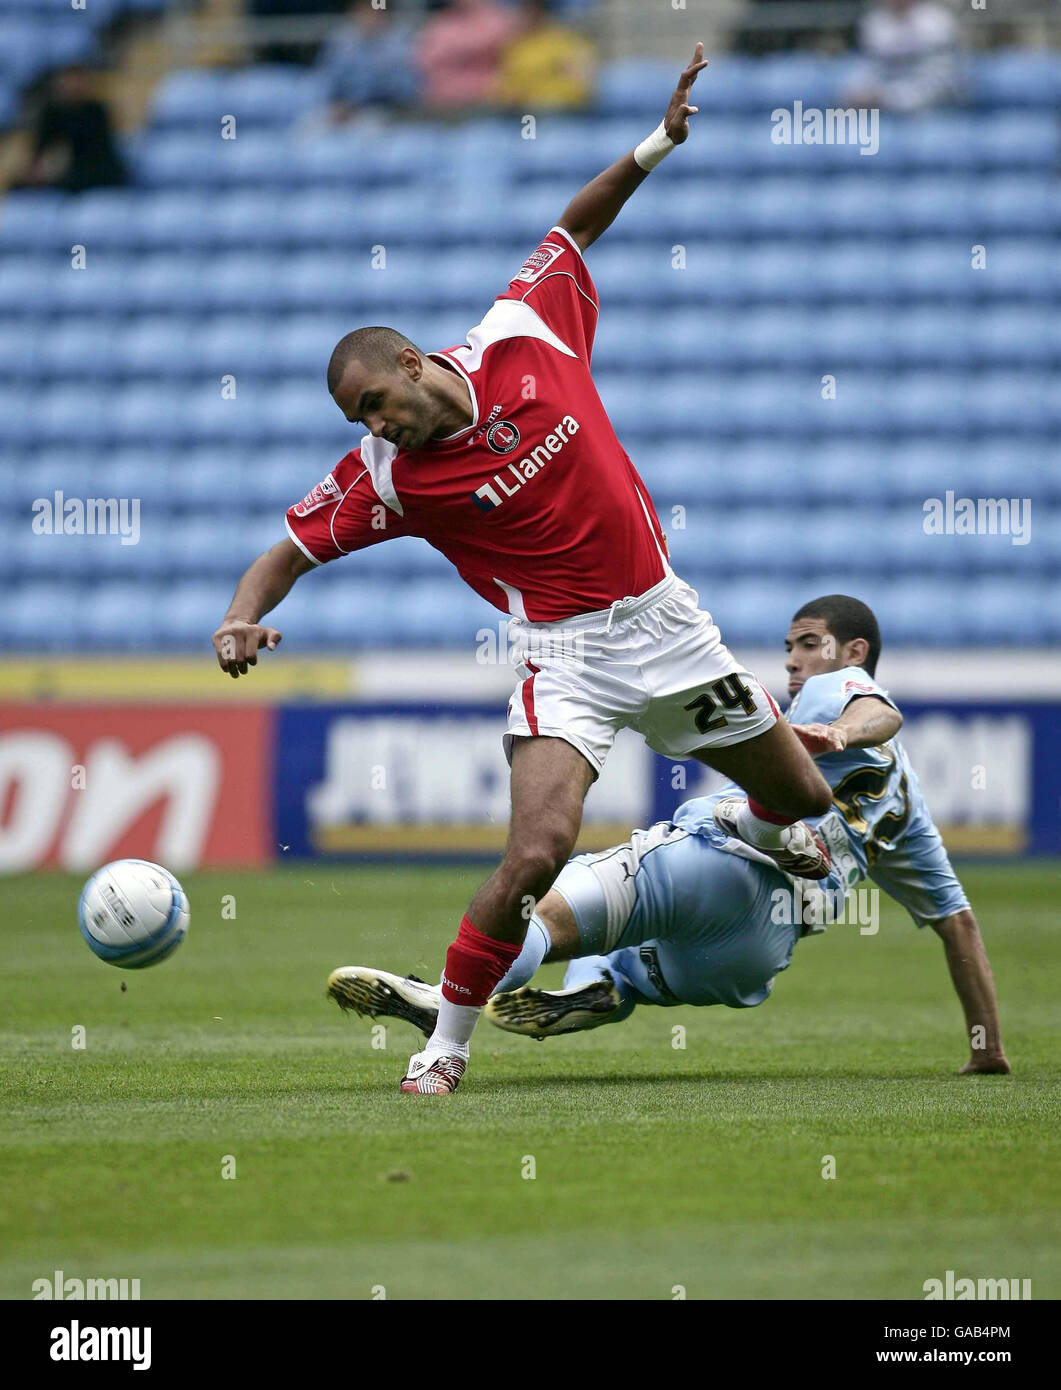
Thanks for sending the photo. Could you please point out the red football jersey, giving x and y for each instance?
(536, 503)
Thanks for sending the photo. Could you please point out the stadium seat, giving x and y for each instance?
(1017, 79)
(39, 616)
(80, 347)
(634, 85)
(34, 223)
(24, 345)
(256, 97)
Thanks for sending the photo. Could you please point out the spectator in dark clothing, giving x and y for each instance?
(73, 144)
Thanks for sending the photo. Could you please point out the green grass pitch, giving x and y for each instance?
(655, 1167)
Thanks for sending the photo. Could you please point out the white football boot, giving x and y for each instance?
(802, 852)
(375, 992)
(544, 1013)
(433, 1074)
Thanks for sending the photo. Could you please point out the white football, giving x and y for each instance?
(133, 913)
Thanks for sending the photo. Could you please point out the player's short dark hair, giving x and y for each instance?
(846, 618)
(376, 347)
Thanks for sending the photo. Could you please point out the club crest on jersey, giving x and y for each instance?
(322, 494)
(522, 470)
(502, 437)
(539, 261)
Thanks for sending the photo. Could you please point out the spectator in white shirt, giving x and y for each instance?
(910, 48)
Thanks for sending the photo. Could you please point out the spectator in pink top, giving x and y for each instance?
(459, 53)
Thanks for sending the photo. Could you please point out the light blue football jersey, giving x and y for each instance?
(875, 789)
(889, 829)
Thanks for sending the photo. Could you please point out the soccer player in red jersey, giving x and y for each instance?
(499, 453)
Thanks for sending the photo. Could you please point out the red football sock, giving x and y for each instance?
(763, 814)
(474, 965)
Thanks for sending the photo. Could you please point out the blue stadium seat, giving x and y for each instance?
(152, 345)
(105, 285)
(1021, 269)
(39, 616)
(36, 223)
(1019, 139)
(332, 218)
(580, 146)
(279, 477)
(80, 348)
(1017, 78)
(24, 345)
(1017, 203)
(189, 98)
(264, 96)
(271, 95)
(184, 221)
(235, 344)
(1012, 335)
(748, 610)
(773, 206)
(1024, 402)
(932, 269)
(932, 337)
(635, 84)
(104, 217)
(782, 78)
(995, 610)
(842, 336)
(943, 141)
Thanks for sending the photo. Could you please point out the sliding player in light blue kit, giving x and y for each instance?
(684, 913)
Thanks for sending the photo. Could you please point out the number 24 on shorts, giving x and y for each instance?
(728, 693)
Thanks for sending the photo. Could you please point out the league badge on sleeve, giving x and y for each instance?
(539, 261)
(322, 494)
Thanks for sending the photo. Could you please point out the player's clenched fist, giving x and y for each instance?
(237, 644)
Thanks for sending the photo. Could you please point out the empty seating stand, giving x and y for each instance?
(798, 345)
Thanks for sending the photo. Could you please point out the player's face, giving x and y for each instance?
(391, 405)
(811, 649)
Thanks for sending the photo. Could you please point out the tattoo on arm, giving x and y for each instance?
(867, 727)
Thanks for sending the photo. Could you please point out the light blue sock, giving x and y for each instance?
(536, 947)
(584, 970)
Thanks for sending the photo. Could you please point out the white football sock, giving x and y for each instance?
(455, 1025)
(762, 833)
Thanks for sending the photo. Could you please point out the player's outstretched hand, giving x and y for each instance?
(237, 645)
(820, 738)
(676, 121)
(996, 1064)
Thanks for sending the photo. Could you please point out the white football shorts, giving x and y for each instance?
(655, 663)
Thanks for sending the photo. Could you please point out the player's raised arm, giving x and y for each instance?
(268, 580)
(594, 208)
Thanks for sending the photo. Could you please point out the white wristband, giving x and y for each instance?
(658, 145)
